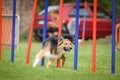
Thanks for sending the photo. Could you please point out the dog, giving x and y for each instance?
(54, 48)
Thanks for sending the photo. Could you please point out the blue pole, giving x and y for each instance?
(76, 35)
(13, 30)
(113, 35)
(45, 27)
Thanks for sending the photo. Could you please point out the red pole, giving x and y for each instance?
(94, 38)
(31, 31)
(83, 38)
(0, 29)
(60, 25)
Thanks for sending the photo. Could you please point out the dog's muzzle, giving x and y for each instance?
(67, 48)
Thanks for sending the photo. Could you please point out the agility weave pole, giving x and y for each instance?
(13, 30)
(31, 31)
(76, 35)
(60, 25)
(94, 37)
(84, 23)
(113, 36)
(45, 27)
(0, 29)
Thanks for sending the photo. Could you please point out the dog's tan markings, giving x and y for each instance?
(60, 40)
(47, 46)
(58, 50)
(41, 55)
(50, 61)
(63, 60)
(67, 42)
(59, 43)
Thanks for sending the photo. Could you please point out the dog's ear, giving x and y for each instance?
(60, 40)
(69, 37)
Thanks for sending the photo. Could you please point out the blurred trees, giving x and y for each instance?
(106, 3)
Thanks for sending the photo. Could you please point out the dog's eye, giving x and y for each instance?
(65, 43)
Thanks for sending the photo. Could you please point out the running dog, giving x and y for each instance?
(53, 48)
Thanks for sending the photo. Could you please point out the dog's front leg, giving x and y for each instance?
(39, 56)
(50, 61)
(63, 60)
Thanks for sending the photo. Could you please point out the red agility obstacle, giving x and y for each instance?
(0, 29)
(60, 25)
(31, 31)
(94, 38)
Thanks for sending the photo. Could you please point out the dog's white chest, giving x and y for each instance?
(54, 56)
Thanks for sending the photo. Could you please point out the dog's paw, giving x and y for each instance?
(47, 67)
(34, 65)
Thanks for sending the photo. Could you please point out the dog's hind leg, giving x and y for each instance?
(50, 61)
(39, 56)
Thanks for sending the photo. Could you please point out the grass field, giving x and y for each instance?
(20, 71)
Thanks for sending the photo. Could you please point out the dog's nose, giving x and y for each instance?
(70, 48)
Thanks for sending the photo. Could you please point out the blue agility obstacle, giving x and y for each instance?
(113, 36)
(76, 35)
(13, 30)
(45, 27)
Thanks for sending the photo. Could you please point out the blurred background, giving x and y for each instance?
(24, 10)
(106, 3)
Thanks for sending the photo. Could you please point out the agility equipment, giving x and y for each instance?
(9, 30)
(31, 31)
(13, 30)
(76, 35)
(0, 30)
(60, 25)
(113, 36)
(94, 37)
(45, 27)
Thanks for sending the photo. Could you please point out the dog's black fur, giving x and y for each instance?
(53, 42)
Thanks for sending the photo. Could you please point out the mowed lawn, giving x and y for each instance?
(19, 70)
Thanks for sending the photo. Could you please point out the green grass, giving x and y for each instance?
(18, 70)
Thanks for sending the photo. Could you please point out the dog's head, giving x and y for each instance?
(64, 44)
